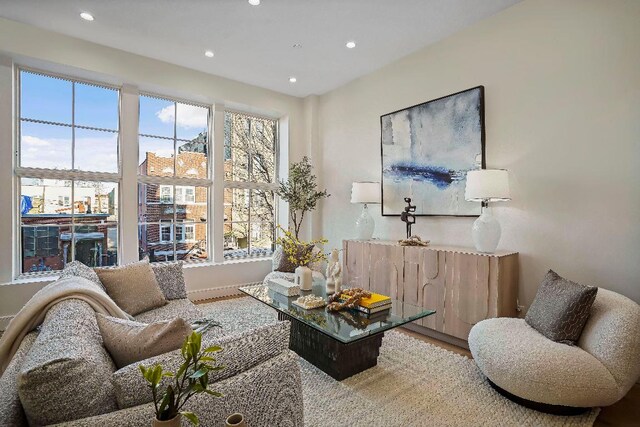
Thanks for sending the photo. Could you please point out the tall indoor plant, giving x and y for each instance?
(191, 378)
(301, 192)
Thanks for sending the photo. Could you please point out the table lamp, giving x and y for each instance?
(365, 193)
(487, 185)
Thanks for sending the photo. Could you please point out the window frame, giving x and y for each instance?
(183, 182)
(73, 175)
(251, 186)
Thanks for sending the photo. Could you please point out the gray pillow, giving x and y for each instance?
(133, 287)
(170, 279)
(561, 308)
(66, 373)
(128, 341)
(78, 269)
(240, 352)
(281, 260)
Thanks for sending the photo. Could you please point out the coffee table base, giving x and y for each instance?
(337, 359)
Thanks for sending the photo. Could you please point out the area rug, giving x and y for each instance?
(414, 384)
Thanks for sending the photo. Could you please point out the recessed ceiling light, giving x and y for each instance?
(86, 16)
(208, 53)
(254, 2)
(292, 80)
(351, 44)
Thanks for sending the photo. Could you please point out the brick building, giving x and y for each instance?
(174, 217)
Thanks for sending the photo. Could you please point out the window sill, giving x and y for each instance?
(36, 278)
(42, 278)
(227, 262)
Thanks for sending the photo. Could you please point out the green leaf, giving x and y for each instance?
(212, 349)
(197, 374)
(181, 370)
(213, 393)
(167, 374)
(193, 418)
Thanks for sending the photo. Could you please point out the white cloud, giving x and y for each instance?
(189, 116)
(92, 154)
(34, 141)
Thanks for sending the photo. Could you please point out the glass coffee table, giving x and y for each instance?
(339, 343)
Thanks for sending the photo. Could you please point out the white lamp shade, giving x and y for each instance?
(365, 192)
(487, 184)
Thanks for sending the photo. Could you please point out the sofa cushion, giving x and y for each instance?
(128, 341)
(239, 353)
(78, 269)
(182, 308)
(612, 335)
(170, 279)
(523, 362)
(66, 373)
(11, 412)
(281, 261)
(561, 308)
(133, 287)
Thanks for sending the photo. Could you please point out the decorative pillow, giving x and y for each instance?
(130, 342)
(66, 373)
(240, 352)
(561, 308)
(76, 268)
(281, 260)
(170, 279)
(133, 287)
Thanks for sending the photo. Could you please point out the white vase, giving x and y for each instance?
(486, 232)
(304, 278)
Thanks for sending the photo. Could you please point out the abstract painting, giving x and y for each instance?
(427, 151)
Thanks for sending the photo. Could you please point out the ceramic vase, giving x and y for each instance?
(304, 278)
(235, 420)
(174, 422)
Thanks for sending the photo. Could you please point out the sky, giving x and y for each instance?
(52, 100)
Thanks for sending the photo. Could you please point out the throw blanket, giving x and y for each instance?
(34, 311)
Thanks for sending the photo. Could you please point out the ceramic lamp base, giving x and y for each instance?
(365, 224)
(486, 232)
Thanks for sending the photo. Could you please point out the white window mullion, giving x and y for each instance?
(129, 117)
(216, 226)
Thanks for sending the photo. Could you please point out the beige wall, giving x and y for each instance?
(22, 44)
(562, 98)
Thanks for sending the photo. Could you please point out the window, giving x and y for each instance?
(68, 172)
(250, 180)
(173, 179)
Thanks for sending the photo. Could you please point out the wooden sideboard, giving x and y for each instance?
(462, 285)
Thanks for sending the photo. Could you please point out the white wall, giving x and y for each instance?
(562, 98)
(22, 44)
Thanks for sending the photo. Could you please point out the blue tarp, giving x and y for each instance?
(25, 204)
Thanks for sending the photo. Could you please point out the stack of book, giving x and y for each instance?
(374, 304)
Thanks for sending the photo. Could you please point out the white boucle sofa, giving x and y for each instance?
(598, 371)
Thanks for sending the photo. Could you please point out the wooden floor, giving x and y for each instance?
(624, 413)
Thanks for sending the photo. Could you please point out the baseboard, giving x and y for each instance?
(218, 292)
(437, 335)
(4, 322)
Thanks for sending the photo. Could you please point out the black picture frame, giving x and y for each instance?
(482, 143)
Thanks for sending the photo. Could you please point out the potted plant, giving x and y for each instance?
(191, 378)
(301, 192)
(301, 255)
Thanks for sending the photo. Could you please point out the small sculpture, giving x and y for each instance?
(407, 216)
(334, 272)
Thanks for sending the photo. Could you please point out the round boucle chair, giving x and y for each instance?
(560, 378)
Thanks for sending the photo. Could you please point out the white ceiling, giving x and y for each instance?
(254, 44)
